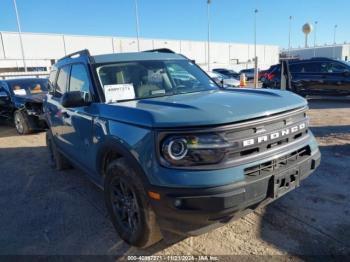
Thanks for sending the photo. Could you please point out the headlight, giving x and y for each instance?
(194, 150)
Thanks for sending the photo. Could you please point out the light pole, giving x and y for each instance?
(334, 42)
(289, 35)
(315, 38)
(208, 18)
(20, 35)
(255, 57)
(137, 25)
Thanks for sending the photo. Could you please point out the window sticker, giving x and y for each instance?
(20, 92)
(118, 92)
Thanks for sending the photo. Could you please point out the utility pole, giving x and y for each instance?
(334, 41)
(289, 35)
(208, 18)
(20, 35)
(137, 25)
(315, 38)
(255, 57)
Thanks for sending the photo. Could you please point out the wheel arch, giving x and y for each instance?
(113, 149)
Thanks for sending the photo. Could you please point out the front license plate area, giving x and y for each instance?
(285, 182)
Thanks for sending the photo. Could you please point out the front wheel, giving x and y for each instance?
(128, 205)
(21, 123)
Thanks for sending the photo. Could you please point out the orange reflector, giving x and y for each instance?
(154, 195)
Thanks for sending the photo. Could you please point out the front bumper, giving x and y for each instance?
(194, 211)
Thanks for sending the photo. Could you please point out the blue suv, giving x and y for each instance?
(172, 150)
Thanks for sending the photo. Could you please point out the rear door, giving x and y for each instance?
(58, 83)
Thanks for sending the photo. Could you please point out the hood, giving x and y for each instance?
(38, 98)
(204, 108)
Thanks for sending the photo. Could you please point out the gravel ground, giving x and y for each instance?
(44, 212)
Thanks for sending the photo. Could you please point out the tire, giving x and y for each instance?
(21, 123)
(57, 160)
(128, 205)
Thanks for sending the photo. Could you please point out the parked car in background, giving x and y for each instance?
(265, 74)
(249, 73)
(174, 153)
(21, 101)
(316, 76)
(223, 80)
(227, 72)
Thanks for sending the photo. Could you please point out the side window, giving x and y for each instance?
(79, 79)
(311, 68)
(51, 82)
(61, 85)
(338, 68)
(325, 67)
(296, 68)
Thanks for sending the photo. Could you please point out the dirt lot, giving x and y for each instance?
(62, 213)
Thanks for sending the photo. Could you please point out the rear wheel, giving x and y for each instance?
(21, 123)
(57, 160)
(128, 205)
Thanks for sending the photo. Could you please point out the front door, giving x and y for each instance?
(76, 130)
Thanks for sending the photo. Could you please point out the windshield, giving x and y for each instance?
(145, 79)
(28, 87)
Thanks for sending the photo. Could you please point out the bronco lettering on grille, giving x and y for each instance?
(275, 135)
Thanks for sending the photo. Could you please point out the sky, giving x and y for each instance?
(231, 20)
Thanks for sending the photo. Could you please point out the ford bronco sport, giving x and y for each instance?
(173, 151)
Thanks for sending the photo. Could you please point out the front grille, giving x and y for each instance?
(279, 164)
(265, 136)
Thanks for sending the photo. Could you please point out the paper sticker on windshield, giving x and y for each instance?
(20, 92)
(114, 93)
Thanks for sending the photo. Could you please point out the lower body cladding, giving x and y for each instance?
(194, 211)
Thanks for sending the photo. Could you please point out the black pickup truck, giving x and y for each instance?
(21, 101)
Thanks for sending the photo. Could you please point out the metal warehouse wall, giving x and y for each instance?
(335, 51)
(41, 48)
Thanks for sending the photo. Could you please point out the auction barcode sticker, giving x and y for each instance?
(118, 92)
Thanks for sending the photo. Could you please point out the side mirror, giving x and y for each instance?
(3, 96)
(73, 99)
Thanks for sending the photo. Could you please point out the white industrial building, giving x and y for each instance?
(40, 50)
(337, 51)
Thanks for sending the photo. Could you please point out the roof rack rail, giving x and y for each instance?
(81, 52)
(161, 50)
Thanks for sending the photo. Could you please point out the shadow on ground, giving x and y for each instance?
(320, 131)
(49, 212)
(328, 103)
(314, 219)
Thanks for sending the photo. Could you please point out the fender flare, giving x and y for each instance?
(116, 145)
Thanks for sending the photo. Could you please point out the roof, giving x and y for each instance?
(139, 56)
